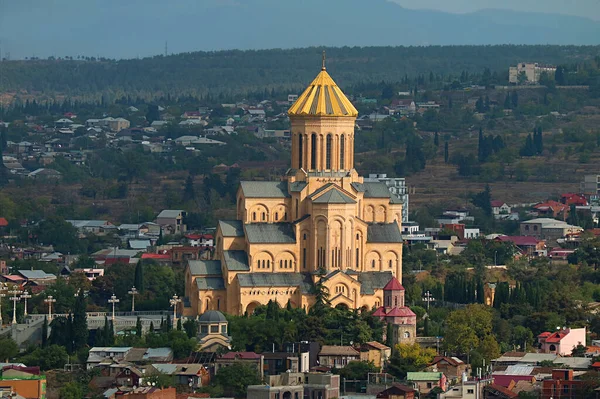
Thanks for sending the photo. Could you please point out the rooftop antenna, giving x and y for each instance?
(323, 61)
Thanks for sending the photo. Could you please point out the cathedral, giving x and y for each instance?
(320, 222)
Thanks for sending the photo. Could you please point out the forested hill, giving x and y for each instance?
(242, 71)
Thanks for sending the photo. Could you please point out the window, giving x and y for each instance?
(304, 258)
(264, 216)
(396, 301)
(204, 329)
(390, 263)
(357, 257)
(285, 216)
(313, 151)
(534, 228)
(297, 209)
(429, 385)
(254, 216)
(300, 149)
(219, 304)
(224, 329)
(328, 152)
(527, 227)
(276, 216)
(214, 329)
(268, 264)
(342, 151)
(373, 263)
(470, 391)
(304, 237)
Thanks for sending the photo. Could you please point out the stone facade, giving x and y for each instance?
(322, 221)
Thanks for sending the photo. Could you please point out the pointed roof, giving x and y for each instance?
(323, 97)
(380, 312)
(334, 196)
(400, 312)
(393, 285)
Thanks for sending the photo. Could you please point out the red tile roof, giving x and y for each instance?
(556, 337)
(3, 222)
(393, 285)
(451, 360)
(400, 312)
(156, 256)
(596, 365)
(497, 203)
(544, 334)
(35, 370)
(380, 312)
(504, 391)
(519, 240)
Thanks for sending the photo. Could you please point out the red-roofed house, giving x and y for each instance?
(250, 358)
(552, 209)
(452, 367)
(3, 222)
(562, 385)
(560, 253)
(530, 246)
(562, 342)
(574, 199)
(393, 311)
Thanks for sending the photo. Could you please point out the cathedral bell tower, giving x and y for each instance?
(322, 124)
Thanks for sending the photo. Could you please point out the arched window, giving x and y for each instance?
(304, 258)
(313, 151)
(357, 258)
(268, 264)
(276, 216)
(406, 334)
(342, 151)
(328, 153)
(264, 216)
(300, 149)
(219, 304)
(254, 216)
(280, 264)
(373, 263)
(395, 301)
(390, 263)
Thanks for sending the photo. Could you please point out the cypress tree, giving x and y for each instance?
(151, 327)
(507, 102)
(446, 152)
(139, 276)
(436, 139)
(80, 327)
(480, 144)
(138, 327)
(45, 332)
(514, 99)
(179, 326)
(169, 324)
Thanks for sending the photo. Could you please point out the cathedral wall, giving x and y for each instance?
(266, 210)
(384, 257)
(273, 258)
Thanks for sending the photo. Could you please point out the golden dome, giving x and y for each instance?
(323, 98)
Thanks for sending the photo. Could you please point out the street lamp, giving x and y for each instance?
(50, 300)
(427, 297)
(113, 299)
(15, 298)
(133, 292)
(25, 295)
(174, 303)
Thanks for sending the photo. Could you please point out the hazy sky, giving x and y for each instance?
(582, 8)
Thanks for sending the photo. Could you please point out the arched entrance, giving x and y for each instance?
(341, 306)
(251, 307)
(287, 395)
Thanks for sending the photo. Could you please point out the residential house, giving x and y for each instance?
(563, 341)
(547, 229)
(452, 367)
(375, 352)
(562, 385)
(281, 362)
(337, 356)
(531, 71)
(102, 356)
(397, 391)
(292, 385)
(118, 124)
(573, 199)
(467, 389)
(590, 185)
(97, 227)
(254, 359)
(513, 374)
(29, 384)
(528, 245)
(552, 209)
(500, 207)
(63, 122)
(192, 375)
(172, 221)
(3, 267)
(182, 254)
(147, 393)
(496, 391)
(425, 381)
(114, 255)
(410, 227)
(36, 277)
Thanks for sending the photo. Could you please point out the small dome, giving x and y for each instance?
(212, 316)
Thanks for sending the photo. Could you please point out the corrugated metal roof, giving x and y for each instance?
(236, 260)
(334, 196)
(265, 189)
(205, 267)
(231, 228)
(210, 283)
(333, 350)
(537, 357)
(384, 233)
(423, 376)
(35, 274)
(518, 370)
(170, 213)
(303, 281)
(155, 353)
(273, 233)
(370, 281)
(165, 368)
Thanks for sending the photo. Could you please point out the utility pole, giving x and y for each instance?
(133, 292)
(50, 300)
(2, 295)
(174, 302)
(113, 299)
(15, 298)
(26, 295)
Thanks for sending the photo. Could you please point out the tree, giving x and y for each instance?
(138, 327)
(80, 327)
(358, 370)
(559, 76)
(471, 328)
(139, 276)
(191, 328)
(522, 78)
(153, 113)
(71, 390)
(179, 326)
(483, 200)
(514, 99)
(436, 139)
(409, 357)
(189, 193)
(45, 332)
(8, 349)
(446, 152)
(236, 378)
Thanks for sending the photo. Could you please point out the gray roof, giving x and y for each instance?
(273, 233)
(384, 233)
(205, 267)
(35, 274)
(373, 189)
(370, 281)
(210, 283)
(298, 186)
(303, 281)
(265, 189)
(320, 190)
(236, 260)
(232, 228)
(334, 196)
(212, 316)
(170, 213)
